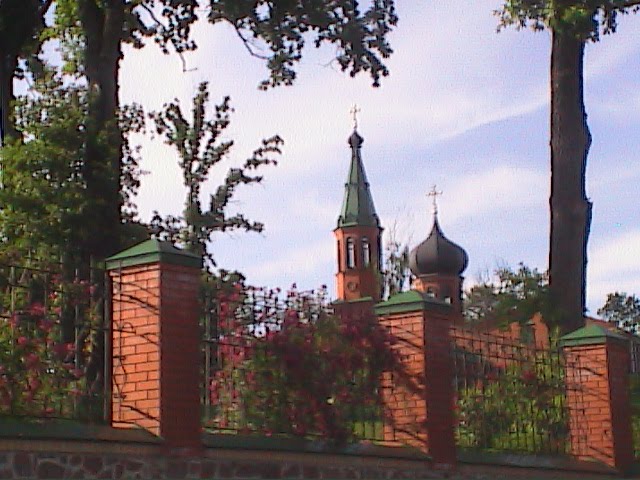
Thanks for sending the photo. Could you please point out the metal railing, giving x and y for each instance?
(511, 396)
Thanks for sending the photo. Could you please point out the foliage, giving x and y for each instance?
(44, 201)
(290, 366)
(21, 21)
(634, 394)
(42, 198)
(587, 19)
(623, 310)
(516, 297)
(359, 36)
(396, 276)
(200, 149)
(519, 407)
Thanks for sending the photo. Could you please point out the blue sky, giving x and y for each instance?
(464, 108)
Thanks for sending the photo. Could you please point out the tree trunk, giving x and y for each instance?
(570, 208)
(8, 64)
(103, 27)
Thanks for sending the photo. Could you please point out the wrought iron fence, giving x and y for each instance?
(510, 396)
(634, 395)
(262, 365)
(52, 342)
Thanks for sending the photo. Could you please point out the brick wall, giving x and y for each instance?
(598, 403)
(136, 347)
(156, 342)
(424, 418)
(406, 408)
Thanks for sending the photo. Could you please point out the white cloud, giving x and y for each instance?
(614, 265)
(617, 256)
(297, 263)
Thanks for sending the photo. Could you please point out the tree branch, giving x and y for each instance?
(162, 25)
(247, 44)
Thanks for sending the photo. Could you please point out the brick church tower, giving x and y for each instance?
(358, 234)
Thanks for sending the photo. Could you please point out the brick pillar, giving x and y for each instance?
(597, 364)
(424, 419)
(155, 341)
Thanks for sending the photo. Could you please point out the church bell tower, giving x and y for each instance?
(358, 234)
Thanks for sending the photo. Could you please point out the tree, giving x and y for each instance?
(200, 148)
(572, 23)
(43, 200)
(93, 33)
(623, 310)
(516, 297)
(42, 196)
(20, 22)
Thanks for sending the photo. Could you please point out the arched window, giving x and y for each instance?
(339, 255)
(366, 252)
(351, 253)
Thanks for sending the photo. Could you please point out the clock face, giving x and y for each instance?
(352, 286)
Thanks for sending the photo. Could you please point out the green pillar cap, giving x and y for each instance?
(411, 301)
(590, 335)
(153, 251)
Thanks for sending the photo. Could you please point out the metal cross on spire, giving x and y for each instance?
(434, 194)
(354, 113)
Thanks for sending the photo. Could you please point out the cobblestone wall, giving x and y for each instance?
(22, 465)
(239, 465)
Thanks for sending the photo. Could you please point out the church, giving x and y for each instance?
(436, 263)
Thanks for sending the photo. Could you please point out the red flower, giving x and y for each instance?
(45, 325)
(31, 360)
(34, 384)
(63, 350)
(23, 341)
(36, 309)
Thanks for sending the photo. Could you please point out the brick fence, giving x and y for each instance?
(155, 392)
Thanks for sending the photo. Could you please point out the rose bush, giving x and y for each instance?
(290, 366)
(41, 374)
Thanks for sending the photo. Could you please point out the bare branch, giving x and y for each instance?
(247, 44)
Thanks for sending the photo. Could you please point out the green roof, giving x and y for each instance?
(410, 301)
(357, 205)
(355, 300)
(152, 251)
(590, 335)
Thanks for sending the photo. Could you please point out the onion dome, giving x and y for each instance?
(437, 255)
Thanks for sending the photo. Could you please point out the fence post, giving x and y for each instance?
(425, 420)
(597, 363)
(155, 341)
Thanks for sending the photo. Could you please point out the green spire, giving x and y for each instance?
(357, 206)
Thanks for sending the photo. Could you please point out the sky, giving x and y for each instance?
(464, 108)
